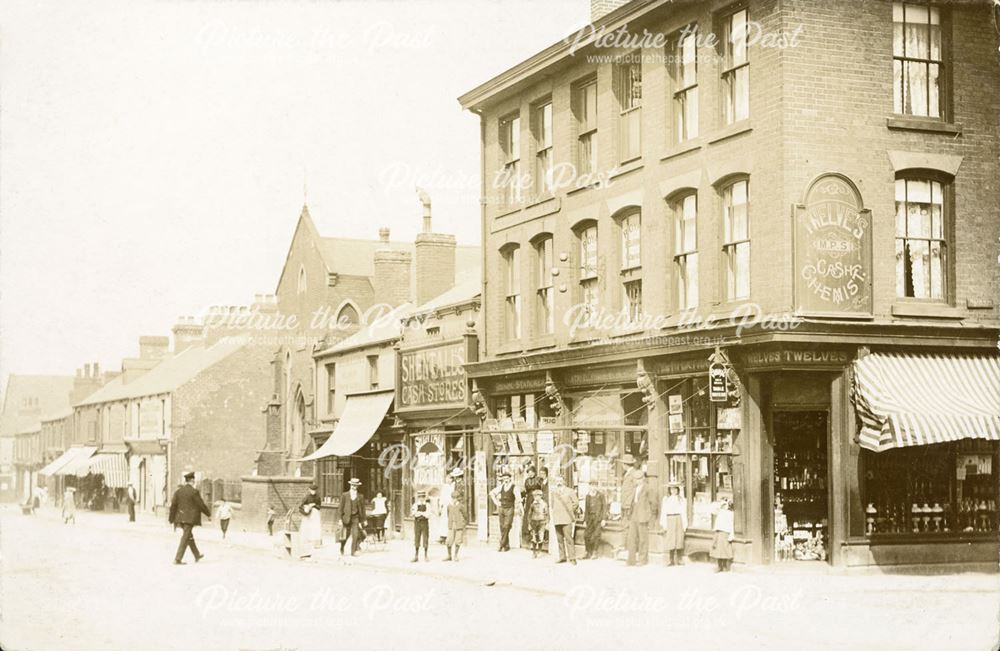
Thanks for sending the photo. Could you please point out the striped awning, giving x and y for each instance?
(906, 400)
(68, 460)
(112, 465)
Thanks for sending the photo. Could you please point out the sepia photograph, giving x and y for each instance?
(499, 324)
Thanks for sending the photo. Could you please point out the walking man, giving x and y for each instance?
(564, 506)
(505, 497)
(352, 517)
(642, 513)
(131, 497)
(185, 510)
(593, 520)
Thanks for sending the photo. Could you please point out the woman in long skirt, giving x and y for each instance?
(311, 529)
(722, 541)
(69, 505)
(673, 521)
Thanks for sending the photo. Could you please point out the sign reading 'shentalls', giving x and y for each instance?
(833, 249)
(432, 377)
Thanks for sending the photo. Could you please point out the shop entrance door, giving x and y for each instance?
(801, 486)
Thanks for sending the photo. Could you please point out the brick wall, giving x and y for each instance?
(280, 493)
(218, 426)
(391, 282)
(434, 265)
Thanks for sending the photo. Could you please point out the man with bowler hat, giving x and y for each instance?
(352, 516)
(186, 508)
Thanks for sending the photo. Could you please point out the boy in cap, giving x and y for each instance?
(421, 525)
(505, 497)
(538, 520)
(458, 518)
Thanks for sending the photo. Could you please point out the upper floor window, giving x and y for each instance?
(631, 228)
(301, 286)
(916, 59)
(331, 387)
(921, 239)
(373, 371)
(736, 240)
(545, 294)
(543, 148)
(512, 308)
(585, 107)
(686, 250)
(685, 77)
(510, 145)
(735, 67)
(629, 90)
(588, 268)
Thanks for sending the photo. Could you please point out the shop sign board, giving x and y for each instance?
(833, 249)
(433, 377)
(150, 418)
(796, 357)
(718, 383)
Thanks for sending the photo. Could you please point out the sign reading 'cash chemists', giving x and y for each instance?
(833, 249)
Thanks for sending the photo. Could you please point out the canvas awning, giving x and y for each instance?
(110, 464)
(72, 457)
(906, 400)
(362, 415)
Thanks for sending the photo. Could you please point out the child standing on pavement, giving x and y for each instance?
(538, 520)
(421, 524)
(271, 514)
(722, 542)
(225, 514)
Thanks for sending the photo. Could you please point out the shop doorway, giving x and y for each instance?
(801, 481)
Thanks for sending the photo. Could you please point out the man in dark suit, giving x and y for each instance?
(644, 507)
(185, 510)
(130, 499)
(352, 517)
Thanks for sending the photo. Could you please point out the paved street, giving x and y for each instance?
(104, 585)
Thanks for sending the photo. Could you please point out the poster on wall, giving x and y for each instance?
(676, 423)
(832, 249)
(676, 403)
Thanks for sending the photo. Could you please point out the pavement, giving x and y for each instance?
(106, 583)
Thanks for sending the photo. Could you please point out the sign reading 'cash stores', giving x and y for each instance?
(433, 377)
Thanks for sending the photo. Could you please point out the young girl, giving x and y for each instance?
(673, 521)
(379, 513)
(538, 520)
(722, 542)
(225, 514)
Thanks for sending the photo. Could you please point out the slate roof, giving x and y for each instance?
(52, 393)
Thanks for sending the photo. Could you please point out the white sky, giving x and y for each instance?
(152, 154)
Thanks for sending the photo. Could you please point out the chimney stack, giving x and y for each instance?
(601, 8)
(425, 200)
(383, 235)
(154, 347)
(97, 370)
(86, 382)
(391, 280)
(86, 370)
(187, 331)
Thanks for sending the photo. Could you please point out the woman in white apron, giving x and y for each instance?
(311, 529)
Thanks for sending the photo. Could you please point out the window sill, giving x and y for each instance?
(508, 210)
(510, 347)
(929, 310)
(731, 131)
(537, 201)
(680, 149)
(923, 538)
(544, 341)
(585, 336)
(931, 125)
(626, 168)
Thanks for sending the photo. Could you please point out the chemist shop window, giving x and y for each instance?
(699, 451)
(932, 490)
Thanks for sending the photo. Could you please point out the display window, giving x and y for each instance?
(597, 462)
(699, 450)
(931, 490)
(433, 455)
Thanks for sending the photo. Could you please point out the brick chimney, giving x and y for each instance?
(154, 347)
(435, 258)
(87, 381)
(601, 8)
(391, 279)
(187, 331)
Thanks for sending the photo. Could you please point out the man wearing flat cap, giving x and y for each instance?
(186, 508)
(352, 516)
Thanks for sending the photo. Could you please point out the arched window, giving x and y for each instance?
(511, 255)
(921, 237)
(348, 315)
(736, 239)
(301, 287)
(545, 296)
(684, 208)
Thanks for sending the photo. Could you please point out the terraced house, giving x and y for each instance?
(753, 246)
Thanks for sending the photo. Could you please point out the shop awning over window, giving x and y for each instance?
(67, 458)
(362, 416)
(112, 465)
(907, 400)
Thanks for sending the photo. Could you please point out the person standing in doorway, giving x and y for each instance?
(458, 519)
(643, 512)
(673, 521)
(186, 509)
(504, 496)
(593, 520)
(352, 516)
(421, 524)
(531, 484)
(225, 513)
(564, 505)
(633, 471)
(131, 497)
